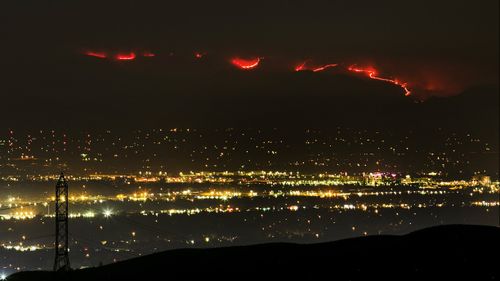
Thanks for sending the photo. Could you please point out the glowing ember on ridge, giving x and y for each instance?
(96, 54)
(245, 64)
(129, 56)
(303, 67)
(199, 55)
(372, 73)
(321, 68)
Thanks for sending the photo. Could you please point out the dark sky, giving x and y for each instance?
(441, 48)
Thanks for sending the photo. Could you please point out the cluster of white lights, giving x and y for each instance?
(107, 213)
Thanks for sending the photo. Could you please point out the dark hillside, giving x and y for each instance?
(450, 252)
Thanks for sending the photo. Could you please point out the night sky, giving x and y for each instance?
(446, 51)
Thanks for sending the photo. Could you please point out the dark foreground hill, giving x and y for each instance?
(453, 252)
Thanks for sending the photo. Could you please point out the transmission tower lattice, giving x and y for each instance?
(62, 259)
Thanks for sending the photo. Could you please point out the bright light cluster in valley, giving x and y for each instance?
(160, 189)
(140, 214)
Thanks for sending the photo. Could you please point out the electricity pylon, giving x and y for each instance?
(62, 259)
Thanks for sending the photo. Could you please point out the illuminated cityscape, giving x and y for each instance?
(134, 210)
(161, 152)
(155, 140)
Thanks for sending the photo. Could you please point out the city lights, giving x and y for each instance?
(107, 213)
